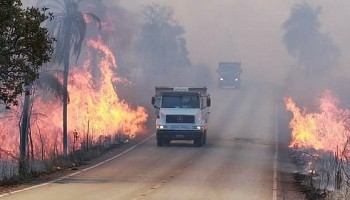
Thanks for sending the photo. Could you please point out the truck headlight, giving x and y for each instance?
(221, 79)
(236, 79)
(160, 127)
(198, 127)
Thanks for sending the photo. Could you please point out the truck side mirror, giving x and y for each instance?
(208, 102)
(153, 101)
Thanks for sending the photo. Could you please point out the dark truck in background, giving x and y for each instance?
(229, 75)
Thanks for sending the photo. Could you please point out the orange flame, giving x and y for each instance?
(102, 109)
(94, 110)
(326, 130)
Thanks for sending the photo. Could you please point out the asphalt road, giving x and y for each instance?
(238, 161)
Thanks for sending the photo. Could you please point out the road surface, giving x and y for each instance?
(238, 161)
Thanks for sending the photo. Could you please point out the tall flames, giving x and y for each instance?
(325, 130)
(102, 108)
(94, 111)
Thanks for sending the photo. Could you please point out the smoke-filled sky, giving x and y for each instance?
(250, 31)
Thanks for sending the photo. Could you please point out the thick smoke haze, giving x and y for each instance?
(247, 31)
(250, 32)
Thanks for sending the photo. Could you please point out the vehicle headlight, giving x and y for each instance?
(160, 127)
(236, 79)
(198, 127)
(221, 79)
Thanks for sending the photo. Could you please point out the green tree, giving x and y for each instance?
(162, 46)
(69, 29)
(24, 47)
(313, 49)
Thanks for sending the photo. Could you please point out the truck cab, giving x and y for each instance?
(229, 75)
(182, 114)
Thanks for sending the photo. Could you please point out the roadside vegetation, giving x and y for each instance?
(316, 97)
(76, 101)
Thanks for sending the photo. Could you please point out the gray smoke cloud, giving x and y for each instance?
(247, 31)
(250, 32)
(314, 51)
(232, 31)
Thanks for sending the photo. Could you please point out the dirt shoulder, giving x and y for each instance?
(287, 185)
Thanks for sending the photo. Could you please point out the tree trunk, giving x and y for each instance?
(31, 150)
(65, 103)
(23, 163)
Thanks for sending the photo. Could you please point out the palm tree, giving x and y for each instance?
(68, 28)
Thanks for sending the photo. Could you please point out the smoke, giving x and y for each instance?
(313, 49)
(246, 31)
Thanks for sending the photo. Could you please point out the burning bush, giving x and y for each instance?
(321, 140)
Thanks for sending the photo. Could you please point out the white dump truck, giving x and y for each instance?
(182, 114)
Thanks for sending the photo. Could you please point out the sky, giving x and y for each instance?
(250, 31)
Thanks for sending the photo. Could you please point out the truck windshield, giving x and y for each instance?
(230, 68)
(180, 101)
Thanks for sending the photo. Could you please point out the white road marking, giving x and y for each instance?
(275, 163)
(78, 172)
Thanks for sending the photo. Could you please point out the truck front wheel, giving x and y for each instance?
(159, 141)
(166, 141)
(198, 141)
(205, 138)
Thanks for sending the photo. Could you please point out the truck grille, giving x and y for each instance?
(179, 119)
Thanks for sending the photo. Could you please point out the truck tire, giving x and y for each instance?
(159, 141)
(198, 141)
(166, 141)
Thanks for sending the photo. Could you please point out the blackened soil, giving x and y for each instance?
(302, 182)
